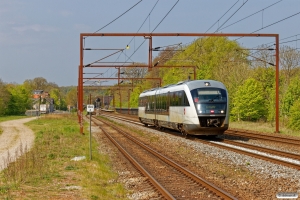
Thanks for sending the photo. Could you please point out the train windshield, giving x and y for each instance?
(210, 100)
(204, 95)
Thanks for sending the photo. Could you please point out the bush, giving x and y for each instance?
(294, 121)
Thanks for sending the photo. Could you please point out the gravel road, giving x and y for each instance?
(15, 139)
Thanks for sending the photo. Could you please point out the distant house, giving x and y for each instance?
(37, 93)
(42, 101)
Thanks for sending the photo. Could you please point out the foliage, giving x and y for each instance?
(71, 97)
(59, 100)
(289, 62)
(134, 97)
(294, 121)
(39, 83)
(266, 77)
(19, 100)
(4, 98)
(292, 94)
(208, 54)
(133, 72)
(15, 99)
(249, 103)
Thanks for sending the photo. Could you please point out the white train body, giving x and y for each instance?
(198, 107)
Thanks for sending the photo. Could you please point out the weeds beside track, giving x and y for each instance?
(47, 170)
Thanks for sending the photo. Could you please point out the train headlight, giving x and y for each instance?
(200, 111)
(222, 111)
(207, 83)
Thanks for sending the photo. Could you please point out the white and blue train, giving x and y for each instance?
(198, 107)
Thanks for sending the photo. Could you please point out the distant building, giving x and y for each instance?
(42, 101)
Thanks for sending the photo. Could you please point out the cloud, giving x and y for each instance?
(34, 27)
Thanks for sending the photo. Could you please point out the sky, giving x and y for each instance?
(40, 38)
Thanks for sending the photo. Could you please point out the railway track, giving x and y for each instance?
(272, 155)
(246, 134)
(253, 135)
(275, 157)
(172, 180)
(263, 149)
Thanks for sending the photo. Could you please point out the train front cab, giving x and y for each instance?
(211, 106)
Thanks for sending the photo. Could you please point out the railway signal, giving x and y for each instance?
(90, 109)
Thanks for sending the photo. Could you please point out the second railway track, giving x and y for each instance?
(272, 138)
(275, 156)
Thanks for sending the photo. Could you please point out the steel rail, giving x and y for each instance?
(262, 157)
(210, 186)
(264, 149)
(250, 146)
(160, 188)
(253, 135)
(273, 160)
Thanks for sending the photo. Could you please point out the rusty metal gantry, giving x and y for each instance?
(112, 89)
(149, 36)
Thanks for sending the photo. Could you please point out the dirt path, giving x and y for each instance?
(15, 139)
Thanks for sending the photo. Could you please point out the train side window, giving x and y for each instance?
(168, 101)
(180, 98)
(165, 101)
(185, 99)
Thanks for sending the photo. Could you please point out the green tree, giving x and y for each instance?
(209, 55)
(19, 101)
(294, 120)
(292, 94)
(249, 104)
(39, 83)
(71, 97)
(4, 97)
(59, 100)
(289, 62)
(266, 76)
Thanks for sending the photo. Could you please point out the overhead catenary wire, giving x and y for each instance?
(264, 26)
(140, 29)
(116, 19)
(272, 43)
(119, 16)
(272, 24)
(144, 20)
(250, 15)
(153, 30)
(277, 22)
(165, 16)
(289, 41)
(232, 15)
(220, 28)
(222, 16)
(218, 21)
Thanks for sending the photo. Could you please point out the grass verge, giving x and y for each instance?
(7, 118)
(263, 127)
(48, 172)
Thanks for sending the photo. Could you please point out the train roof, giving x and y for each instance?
(204, 83)
(190, 84)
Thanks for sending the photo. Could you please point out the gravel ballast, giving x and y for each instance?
(243, 176)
